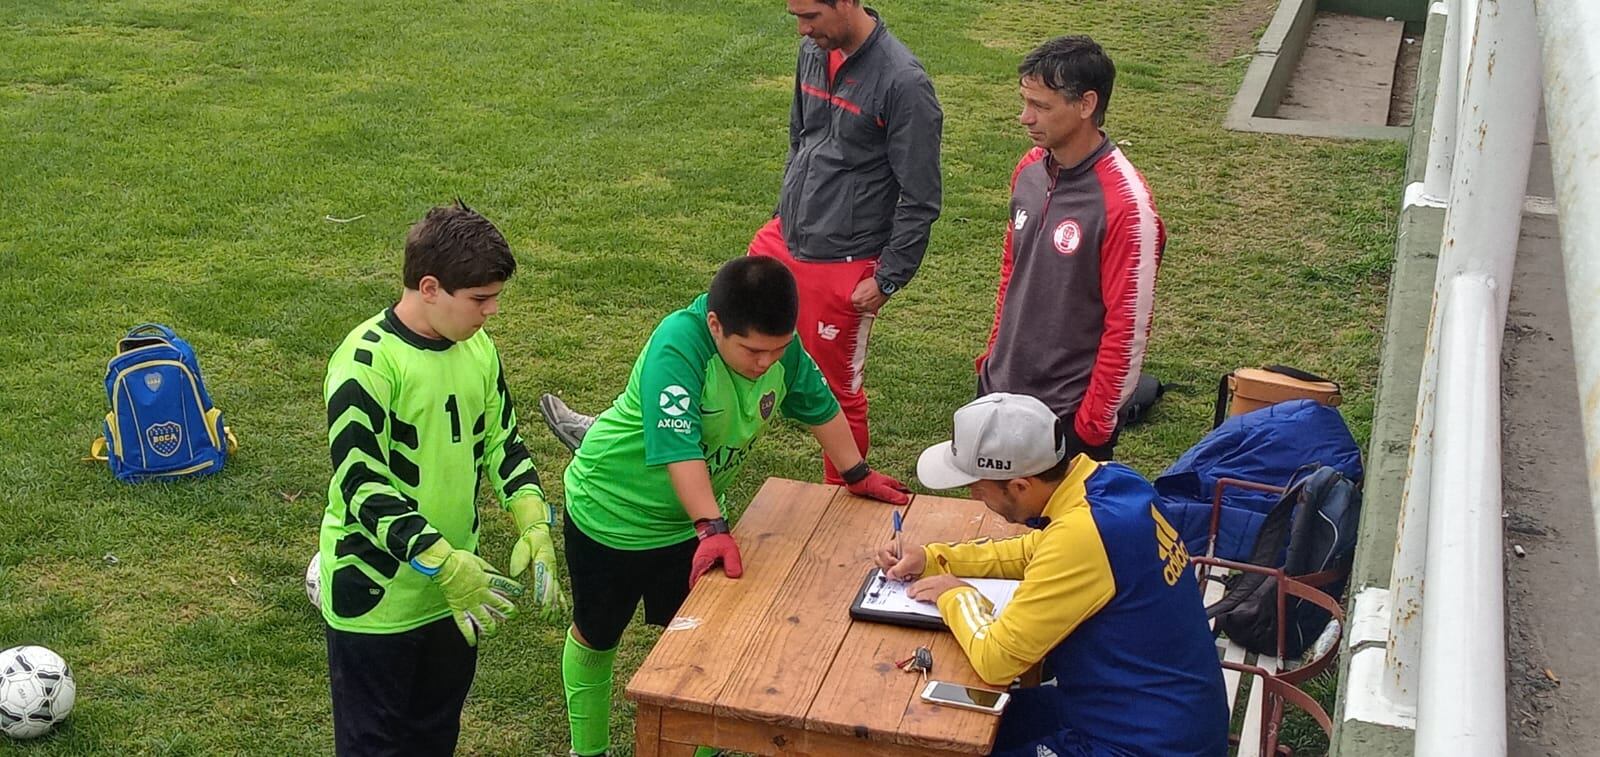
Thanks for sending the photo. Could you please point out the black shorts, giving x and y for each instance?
(607, 584)
(399, 694)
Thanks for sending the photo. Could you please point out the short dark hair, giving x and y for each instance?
(756, 293)
(1073, 65)
(459, 247)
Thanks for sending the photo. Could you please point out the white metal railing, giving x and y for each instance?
(1570, 30)
(1461, 670)
(1443, 661)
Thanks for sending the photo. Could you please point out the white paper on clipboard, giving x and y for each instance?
(888, 595)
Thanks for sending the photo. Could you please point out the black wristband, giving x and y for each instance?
(857, 473)
(709, 527)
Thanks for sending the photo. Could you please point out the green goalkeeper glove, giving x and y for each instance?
(478, 596)
(534, 517)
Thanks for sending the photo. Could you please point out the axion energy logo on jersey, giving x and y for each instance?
(674, 402)
(1067, 236)
(164, 438)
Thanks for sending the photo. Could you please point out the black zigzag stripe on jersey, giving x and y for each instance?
(402, 467)
(517, 457)
(364, 357)
(505, 396)
(477, 480)
(374, 508)
(403, 433)
(357, 545)
(405, 539)
(351, 394)
(358, 474)
(516, 453)
(354, 436)
(371, 336)
(477, 449)
(477, 428)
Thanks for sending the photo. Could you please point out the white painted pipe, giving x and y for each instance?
(1446, 101)
(1570, 29)
(1489, 175)
(1462, 708)
(1411, 534)
(1461, 685)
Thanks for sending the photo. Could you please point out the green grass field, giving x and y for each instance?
(173, 160)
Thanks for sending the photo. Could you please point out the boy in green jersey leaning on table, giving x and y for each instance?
(418, 409)
(644, 517)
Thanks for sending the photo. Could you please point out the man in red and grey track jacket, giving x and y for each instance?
(1077, 278)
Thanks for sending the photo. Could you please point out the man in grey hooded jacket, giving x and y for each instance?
(861, 187)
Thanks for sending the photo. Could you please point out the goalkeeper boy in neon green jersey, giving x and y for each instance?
(644, 511)
(418, 411)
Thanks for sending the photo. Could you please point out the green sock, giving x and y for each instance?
(586, 674)
(706, 751)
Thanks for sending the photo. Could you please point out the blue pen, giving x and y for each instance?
(899, 551)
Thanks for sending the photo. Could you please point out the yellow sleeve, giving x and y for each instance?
(1067, 580)
(982, 558)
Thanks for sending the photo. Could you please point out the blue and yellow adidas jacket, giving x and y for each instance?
(1107, 603)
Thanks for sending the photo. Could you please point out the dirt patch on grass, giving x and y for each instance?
(772, 83)
(1233, 31)
(1403, 100)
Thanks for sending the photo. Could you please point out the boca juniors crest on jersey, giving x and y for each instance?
(768, 401)
(164, 438)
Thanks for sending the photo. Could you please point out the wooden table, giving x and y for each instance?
(773, 664)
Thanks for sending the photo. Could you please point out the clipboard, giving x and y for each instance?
(881, 600)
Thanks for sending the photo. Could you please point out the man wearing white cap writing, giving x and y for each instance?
(1107, 602)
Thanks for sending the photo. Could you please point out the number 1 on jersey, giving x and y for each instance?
(454, 410)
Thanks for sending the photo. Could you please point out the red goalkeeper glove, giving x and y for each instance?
(863, 481)
(716, 546)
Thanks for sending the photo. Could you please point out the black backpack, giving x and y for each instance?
(1311, 534)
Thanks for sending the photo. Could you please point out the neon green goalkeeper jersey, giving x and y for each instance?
(682, 403)
(412, 423)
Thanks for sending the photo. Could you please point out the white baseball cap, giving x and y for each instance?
(997, 437)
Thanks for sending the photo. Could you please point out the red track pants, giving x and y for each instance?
(830, 328)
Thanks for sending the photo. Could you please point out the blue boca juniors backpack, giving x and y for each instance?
(162, 424)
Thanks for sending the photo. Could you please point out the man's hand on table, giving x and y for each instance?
(898, 566)
(931, 588)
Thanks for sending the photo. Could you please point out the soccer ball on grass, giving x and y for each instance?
(36, 691)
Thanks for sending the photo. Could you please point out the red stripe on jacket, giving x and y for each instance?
(835, 99)
(1129, 256)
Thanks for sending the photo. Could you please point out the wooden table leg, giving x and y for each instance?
(647, 731)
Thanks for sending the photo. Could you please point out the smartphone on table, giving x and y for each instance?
(966, 697)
